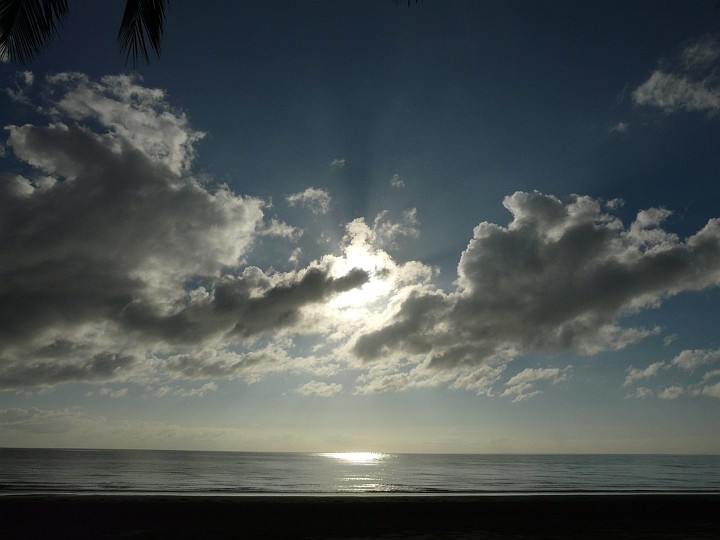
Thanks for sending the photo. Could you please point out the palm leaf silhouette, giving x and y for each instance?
(142, 23)
(27, 26)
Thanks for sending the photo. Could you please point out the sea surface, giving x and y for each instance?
(42, 471)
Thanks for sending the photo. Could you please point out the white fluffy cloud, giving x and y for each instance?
(671, 392)
(690, 360)
(387, 233)
(316, 199)
(131, 112)
(710, 390)
(636, 374)
(559, 277)
(686, 83)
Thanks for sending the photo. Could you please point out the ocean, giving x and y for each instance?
(132, 472)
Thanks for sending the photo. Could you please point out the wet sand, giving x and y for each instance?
(604, 517)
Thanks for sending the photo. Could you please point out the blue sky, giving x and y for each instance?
(336, 226)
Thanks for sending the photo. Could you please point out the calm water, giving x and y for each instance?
(140, 471)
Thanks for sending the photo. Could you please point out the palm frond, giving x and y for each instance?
(142, 24)
(27, 26)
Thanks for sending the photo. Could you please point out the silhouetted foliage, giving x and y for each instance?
(141, 18)
(28, 26)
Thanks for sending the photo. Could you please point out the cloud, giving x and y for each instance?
(338, 163)
(319, 388)
(672, 93)
(396, 181)
(386, 233)
(23, 81)
(316, 199)
(120, 266)
(702, 54)
(100, 367)
(635, 374)
(294, 257)
(559, 277)
(199, 392)
(241, 306)
(251, 366)
(280, 229)
(687, 83)
(27, 77)
(690, 360)
(522, 386)
(620, 127)
(641, 392)
(687, 365)
(109, 392)
(712, 390)
(114, 254)
(165, 390)
(671, 392)
(134, 114)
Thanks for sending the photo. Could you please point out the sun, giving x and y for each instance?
(376, 264)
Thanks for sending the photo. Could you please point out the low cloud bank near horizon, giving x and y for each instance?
(121, 265)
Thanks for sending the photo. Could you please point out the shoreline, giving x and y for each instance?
(583, 516)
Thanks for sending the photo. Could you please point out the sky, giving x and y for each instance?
(454, 226)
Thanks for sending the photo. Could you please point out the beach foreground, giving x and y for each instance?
(353, 517)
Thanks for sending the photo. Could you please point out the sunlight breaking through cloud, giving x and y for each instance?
(159, 283)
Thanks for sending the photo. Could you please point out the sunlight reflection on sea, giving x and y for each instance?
(245, 473)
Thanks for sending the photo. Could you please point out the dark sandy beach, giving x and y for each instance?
(484, 517)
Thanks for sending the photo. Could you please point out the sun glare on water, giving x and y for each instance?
(356, 457)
